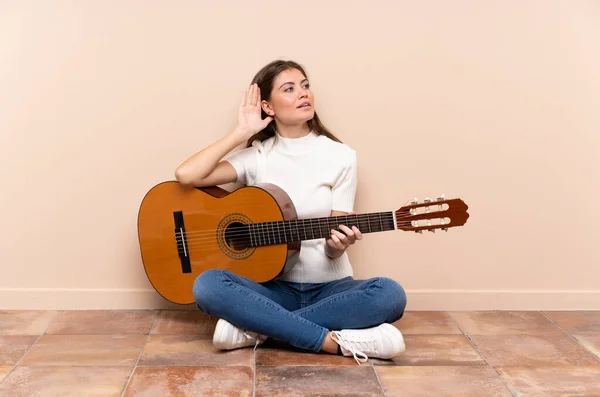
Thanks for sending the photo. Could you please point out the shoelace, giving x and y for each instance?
(354, 346)
(248, 336)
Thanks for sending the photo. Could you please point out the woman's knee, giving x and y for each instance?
(394, 298)
(207, 289)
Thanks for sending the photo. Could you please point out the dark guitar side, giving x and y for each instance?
(206, 213)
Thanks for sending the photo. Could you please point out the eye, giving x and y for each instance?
(290, 88)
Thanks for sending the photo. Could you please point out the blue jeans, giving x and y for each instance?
(299, 314)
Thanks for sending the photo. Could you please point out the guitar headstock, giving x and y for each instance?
(431, 215)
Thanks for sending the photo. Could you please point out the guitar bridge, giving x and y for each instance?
(182, 245)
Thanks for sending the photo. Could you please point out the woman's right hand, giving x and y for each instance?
(249, 116)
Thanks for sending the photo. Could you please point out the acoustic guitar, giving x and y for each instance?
(253, 231)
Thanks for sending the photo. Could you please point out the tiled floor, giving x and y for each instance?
(169, 353)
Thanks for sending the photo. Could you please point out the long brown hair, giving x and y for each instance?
(265, 78)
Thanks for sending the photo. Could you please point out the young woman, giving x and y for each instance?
(318, 305)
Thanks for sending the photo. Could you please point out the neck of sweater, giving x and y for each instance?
(295, 146)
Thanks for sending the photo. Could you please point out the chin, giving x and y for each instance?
(308, 117)
(300, 118)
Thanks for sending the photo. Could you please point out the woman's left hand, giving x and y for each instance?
(341, 241)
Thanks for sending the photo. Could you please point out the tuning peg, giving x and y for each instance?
(432, 230)
(419, 231)
(445, 229)
(427, 200)
(415, 201)
(441, 198)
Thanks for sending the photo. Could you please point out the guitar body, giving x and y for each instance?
(184, 231)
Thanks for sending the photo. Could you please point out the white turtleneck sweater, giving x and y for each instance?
(319, 175)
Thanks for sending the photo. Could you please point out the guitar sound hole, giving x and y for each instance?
(237, 236)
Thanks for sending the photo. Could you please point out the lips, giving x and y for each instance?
(303, 105)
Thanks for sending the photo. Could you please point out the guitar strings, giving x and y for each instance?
(213, 247)
(270, 229)
(269, 242)
(302, 223)
(311, 221)
(273, 234)
(265, 241)
(272, 239)
(245, 237)
(242, 234)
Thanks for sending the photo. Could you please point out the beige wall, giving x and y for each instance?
(496, 102)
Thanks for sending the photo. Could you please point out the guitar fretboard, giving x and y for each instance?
(268, 233)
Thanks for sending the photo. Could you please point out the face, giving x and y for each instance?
(291, 100)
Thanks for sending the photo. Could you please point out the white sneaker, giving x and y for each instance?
(384, 341)
(227, 337)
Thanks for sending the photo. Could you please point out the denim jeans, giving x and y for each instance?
(299, 314)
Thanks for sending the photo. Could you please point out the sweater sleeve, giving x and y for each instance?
(244, 162)
(344, 188)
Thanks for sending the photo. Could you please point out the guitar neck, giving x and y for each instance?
(281, 232)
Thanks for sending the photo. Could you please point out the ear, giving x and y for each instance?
(267, 108)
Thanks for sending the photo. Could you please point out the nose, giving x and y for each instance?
(303, 92)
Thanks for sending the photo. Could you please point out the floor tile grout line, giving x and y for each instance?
(569, 335)
(558, 326)
(54, 319)
(481, 354)
(22, 357)
(140, 355)
(378, 379)
(31, 347)
(254, 376)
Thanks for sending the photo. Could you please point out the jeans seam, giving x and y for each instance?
(321, 340)
(328, 300)
(259, 297)
(283, 292)
(374, 286)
